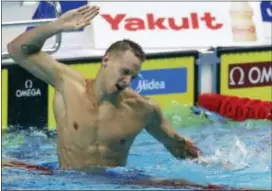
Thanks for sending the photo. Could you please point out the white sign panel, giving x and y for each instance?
(156, 26)
(186, 25)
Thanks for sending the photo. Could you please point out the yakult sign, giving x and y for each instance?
(157, 26)
(187, 25)
(153, 22)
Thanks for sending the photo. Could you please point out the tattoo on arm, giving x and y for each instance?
(30, 48)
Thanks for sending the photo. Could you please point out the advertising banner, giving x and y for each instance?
(27, 99)
(247, 74)
(156, 26)
(4, 94)
(166, 80)
(188, 25)
(161, 81)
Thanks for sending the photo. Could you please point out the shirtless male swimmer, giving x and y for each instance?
(97, 119)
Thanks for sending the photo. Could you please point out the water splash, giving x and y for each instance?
(238, 156)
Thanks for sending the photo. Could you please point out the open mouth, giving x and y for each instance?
(119, 87)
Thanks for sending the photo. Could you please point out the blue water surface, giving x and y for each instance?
(235, 154)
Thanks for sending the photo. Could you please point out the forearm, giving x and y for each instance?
(33, 40)
(175, 146)
(182, 148)
(176, 151)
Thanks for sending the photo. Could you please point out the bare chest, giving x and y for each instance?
(106, 124)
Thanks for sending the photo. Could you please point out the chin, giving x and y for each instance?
(116, 90)
(113, 90)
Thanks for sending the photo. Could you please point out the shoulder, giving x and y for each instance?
(82, 85)
(148, 104)
(88, 84)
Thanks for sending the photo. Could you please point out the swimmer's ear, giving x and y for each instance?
(105, 60)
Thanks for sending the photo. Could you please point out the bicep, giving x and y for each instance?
(41, 66)
(47, 69)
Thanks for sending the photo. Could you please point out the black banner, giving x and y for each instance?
(27, 99)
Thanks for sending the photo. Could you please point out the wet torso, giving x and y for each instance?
(91, 135)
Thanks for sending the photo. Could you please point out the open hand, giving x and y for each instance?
(76, 19)
(184, 148)
(190, 150)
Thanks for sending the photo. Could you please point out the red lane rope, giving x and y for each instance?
(185, 184)
(150, 182)
(17, 164)
(236, 108)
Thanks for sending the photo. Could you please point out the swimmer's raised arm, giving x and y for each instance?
(178, 145)
(26, 48)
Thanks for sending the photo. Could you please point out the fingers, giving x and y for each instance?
(196, 152)
(82, 8)
(87, 9)
(87, 20)
(89, 16)
(192, 150)
(87, 13)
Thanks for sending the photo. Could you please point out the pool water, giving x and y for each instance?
(235, 154)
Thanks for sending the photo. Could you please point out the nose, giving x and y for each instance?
(127, 80)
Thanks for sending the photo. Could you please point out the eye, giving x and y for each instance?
(125, 71)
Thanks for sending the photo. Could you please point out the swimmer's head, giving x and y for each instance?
(120, 65)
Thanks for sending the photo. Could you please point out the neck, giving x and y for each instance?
(100, 94)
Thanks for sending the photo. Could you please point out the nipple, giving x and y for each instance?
(75, 125)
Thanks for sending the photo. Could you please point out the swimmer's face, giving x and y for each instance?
(120, 70)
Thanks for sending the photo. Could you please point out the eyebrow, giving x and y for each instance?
(130, 69)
